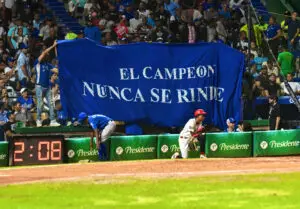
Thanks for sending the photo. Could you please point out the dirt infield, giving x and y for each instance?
(155, 168)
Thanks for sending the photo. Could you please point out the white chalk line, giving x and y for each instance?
(161, 175)
(4, 175)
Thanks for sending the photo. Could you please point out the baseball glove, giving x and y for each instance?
(193, 145)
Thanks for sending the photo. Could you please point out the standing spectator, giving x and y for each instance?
(3, 120)
(23, 67)
(259, 60)
(43, 71)
(274, 113)
(273, 89)
(45, 30)
(293, 32)
(285, 61)
(9, 126)
(25, 100)
(92, 32)
(108, 40)
(273, 34)
(143, 12)
(272, 68)
(257, 89)
(294, 85)
(8, 5)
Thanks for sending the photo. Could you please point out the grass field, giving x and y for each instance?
(268, 191)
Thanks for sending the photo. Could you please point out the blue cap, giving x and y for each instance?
(230, 120)
(10, 59)
(82, 116)
(23, 46)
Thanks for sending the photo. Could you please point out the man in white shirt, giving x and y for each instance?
(294, 85)
(134, 23)
(10, 72)
(191, 131)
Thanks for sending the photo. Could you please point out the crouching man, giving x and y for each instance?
(103, 128)
(191, 133)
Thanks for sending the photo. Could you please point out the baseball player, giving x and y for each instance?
(191, 132)
(103, 127)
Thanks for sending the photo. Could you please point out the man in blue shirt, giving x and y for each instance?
(25, 100)
(273, 34)
(23, 67)
(230, 125)
(43, 70)
(103, 127)
(92, 32)
(171, 7)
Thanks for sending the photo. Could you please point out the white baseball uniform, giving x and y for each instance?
(185, 136)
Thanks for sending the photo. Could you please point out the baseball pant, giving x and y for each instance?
(184, 146)
(107, 131)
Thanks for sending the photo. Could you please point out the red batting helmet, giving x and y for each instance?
(199, 112)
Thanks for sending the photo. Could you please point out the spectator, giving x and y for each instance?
(10, 72)
(244, 126)
(294, 85)
(257, 89)
(143, 12)
(23, 67)
(7, 17)
(285, 61)
(242, 44)
(273, 89)
(43, 71)
(272, 68)
(62, 117)
(293, 32)
(25, 100)
(254, 72)
(16, 34)
(108, 40)
(45, 30)
(134, 23)
(171, 7)
(230, 125)
(92, 32)
(253, 49)
(3, 120)
(259, 60)
(22, 114)
(273, 34)
(9, 127)
(274, 113)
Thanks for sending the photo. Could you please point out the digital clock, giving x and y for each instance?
(37, 150)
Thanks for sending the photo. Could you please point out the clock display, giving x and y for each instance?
(37, 150)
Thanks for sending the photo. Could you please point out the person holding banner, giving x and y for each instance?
(43, 70)
(103, 127)
(192, 133)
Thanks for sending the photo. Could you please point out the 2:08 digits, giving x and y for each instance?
(47, 150)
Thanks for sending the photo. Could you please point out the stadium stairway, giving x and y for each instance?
(261, 10)
(63, 18)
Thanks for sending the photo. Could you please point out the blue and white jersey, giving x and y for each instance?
(26, 103)
(98, 121)
(3, 116)
(43, 73)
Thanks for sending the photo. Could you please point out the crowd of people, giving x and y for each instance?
(28, 30)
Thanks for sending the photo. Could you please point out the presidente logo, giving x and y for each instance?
(264, 145)
(283, 144)
(71, 153)
(164, 148)
(82, 153)
(213, 147)
(130, 150)
(3, 156)
(228, 147)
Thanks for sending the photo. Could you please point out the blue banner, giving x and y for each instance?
(154, 83)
